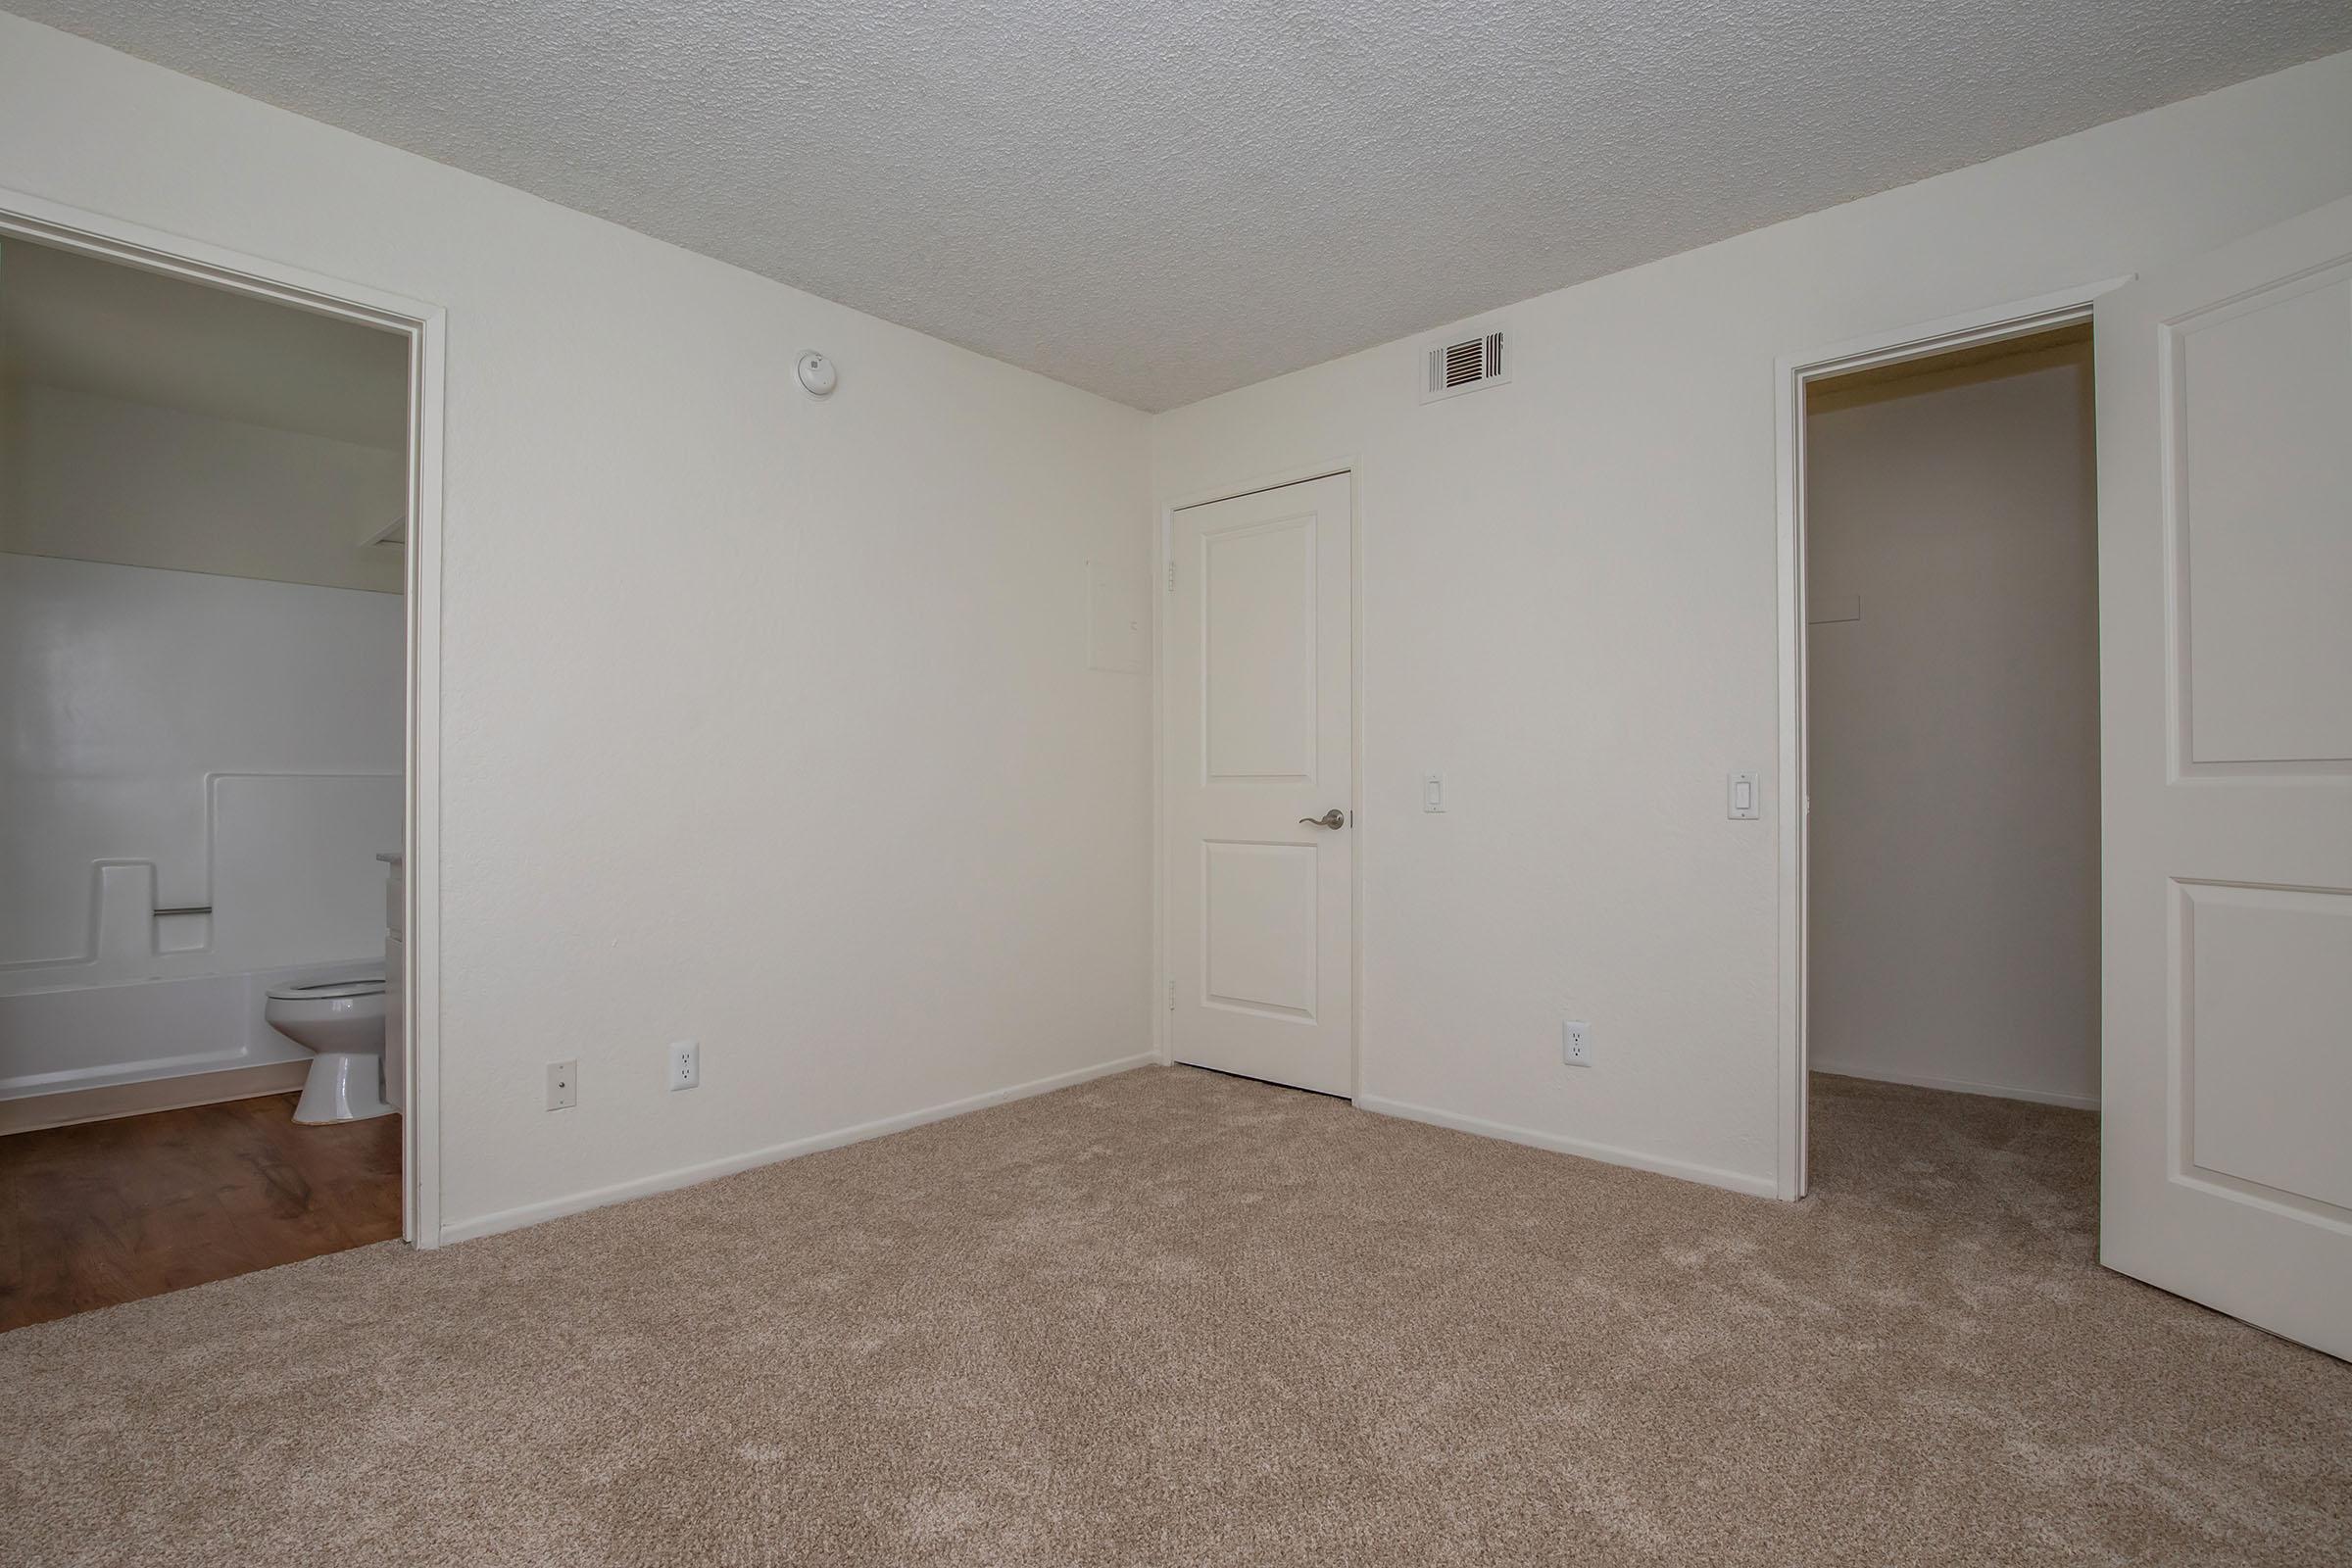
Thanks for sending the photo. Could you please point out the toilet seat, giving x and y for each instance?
(340, 1021)
(330, 989)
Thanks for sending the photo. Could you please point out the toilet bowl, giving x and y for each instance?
(341, 1020)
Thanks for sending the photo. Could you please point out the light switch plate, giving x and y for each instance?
(1744, 797)
(1433, 792)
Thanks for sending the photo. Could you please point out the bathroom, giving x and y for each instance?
(202, 657)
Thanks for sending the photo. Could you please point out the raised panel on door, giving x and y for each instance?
(1260, 744)
(2224, 388)
(2266, 1017)
(1258, 635)
(1258, 928)
(2263, 441)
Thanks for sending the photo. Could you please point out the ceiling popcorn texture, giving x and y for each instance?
(1159, 202)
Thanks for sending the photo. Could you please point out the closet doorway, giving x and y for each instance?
(1952, 772)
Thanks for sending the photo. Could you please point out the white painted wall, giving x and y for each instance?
(127, 695)
(767, 721)
(1955, 732)
(1569, 601)
(98, 478)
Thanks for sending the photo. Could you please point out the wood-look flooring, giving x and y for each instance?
(111, 1211)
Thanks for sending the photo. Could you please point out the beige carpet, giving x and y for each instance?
(1173, 1318)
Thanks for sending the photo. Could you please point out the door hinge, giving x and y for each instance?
(1171, 576)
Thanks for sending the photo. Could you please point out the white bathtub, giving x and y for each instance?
(104, 1036)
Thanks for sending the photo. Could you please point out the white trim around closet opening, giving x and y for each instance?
(1790, 374)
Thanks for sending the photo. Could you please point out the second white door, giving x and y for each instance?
(1261, 786)
(2226, 692)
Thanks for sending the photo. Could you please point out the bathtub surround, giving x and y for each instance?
(178, 740)
(189, 1084)
(76, 1052)
(234, 744)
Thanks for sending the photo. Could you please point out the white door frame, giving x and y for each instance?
(1162, 976)
(426, 326)
(1792, 374)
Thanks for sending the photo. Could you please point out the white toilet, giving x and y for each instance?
(343, 1020)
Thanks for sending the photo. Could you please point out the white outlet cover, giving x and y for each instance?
(685, 1064)
(1744, 796)
(1575, 1044)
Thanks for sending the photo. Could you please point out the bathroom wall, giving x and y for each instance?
(766, 723)
(172, 738)
(1954, 723)
(143, 714)
(104, 478)
(201, 656)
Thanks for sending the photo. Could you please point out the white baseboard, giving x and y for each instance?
(69, 1107)
(1606, 1154)
(512, 1219)
(1957, 1086)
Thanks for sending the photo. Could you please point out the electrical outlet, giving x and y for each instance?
(685, 1063)
(1575, 1044)
(563, 1085)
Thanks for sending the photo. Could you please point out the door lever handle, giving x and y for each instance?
(1335, 817)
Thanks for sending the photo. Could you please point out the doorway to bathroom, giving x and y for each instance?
(215, 481)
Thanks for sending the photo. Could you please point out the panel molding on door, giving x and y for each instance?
(2241, 518)
(2225, 393)
(1249, 893)
(1260, 749)
(2264, 1071)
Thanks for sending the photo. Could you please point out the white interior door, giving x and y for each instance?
(1260, 754)
(2225, 391)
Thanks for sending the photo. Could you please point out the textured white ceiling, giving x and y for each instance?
(1159, 201)
(73, 320)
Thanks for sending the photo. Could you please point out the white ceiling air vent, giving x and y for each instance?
(1462, 365)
